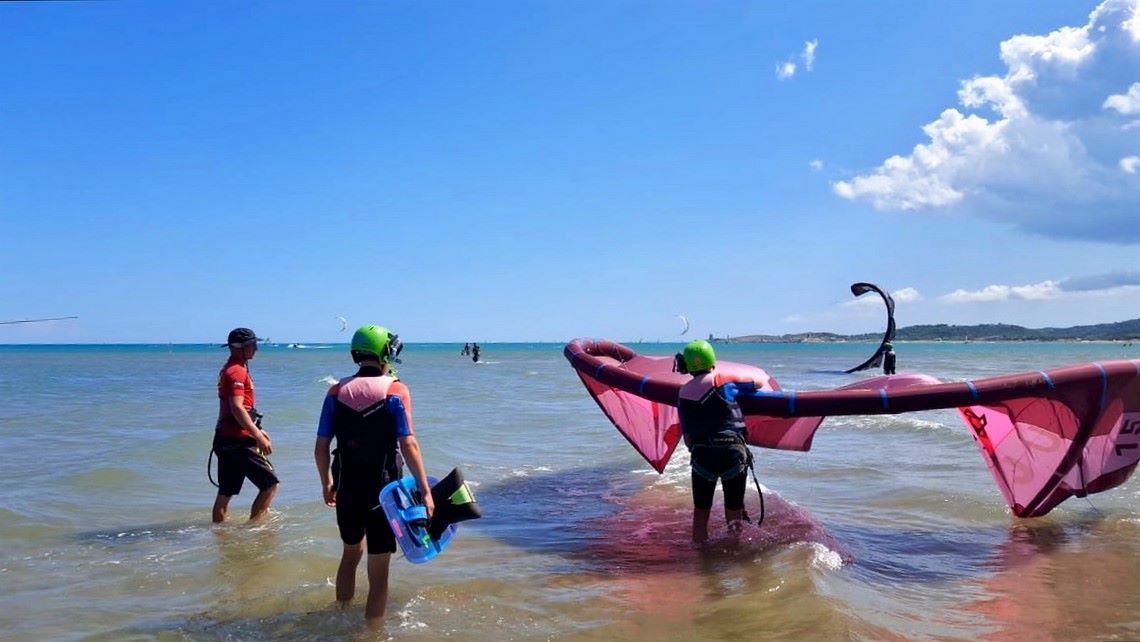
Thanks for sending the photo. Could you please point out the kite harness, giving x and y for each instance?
(232, 445)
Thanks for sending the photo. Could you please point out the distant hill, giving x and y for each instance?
(1119, 331)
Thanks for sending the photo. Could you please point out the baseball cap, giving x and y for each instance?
(239, 337)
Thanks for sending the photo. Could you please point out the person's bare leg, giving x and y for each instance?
(261, 503)
(701, 525)
(377, 587)
(346, 572)
(735, 519)
(221, 509)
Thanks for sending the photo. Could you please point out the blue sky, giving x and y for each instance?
(530, 171)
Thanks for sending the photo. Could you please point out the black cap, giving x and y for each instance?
(240, 337)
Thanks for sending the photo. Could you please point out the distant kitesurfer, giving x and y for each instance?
(475, 352)
(241, 445)
(713, 428)
(889, 359)
(466, 350)
(369, 414)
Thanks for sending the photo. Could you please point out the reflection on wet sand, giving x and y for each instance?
(1064, 581)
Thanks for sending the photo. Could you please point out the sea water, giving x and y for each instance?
(890, 528)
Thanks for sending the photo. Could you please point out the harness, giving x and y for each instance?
(231, 445)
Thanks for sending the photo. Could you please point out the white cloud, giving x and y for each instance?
(1036, 291)
(1048, 156)
(903, 295)
(1132, 25)
(816, 164)
(1127, 104)
(906, 295)
(1130, 164)
(1093, 285)
(809, 54)
(786, 70)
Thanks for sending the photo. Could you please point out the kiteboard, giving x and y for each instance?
(419, 538)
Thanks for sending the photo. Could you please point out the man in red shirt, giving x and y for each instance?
(241, 445)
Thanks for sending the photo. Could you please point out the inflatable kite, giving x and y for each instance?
(1046, 436)
(876, 360)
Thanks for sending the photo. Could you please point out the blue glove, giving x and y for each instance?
(734, 389)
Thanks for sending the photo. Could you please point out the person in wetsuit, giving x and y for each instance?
(240, 444)
(370, 416)
(475, 352)
(889, 359)
(713, 428)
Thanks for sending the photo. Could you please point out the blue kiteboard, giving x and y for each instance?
(421, 539)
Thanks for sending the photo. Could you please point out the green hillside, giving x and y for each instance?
(1119, 331)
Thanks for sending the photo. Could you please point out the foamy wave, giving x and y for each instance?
(897, 422)
(407, 617)
(527, 470)
(825, 558)
(328, 380)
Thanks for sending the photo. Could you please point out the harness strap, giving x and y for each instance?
(209, 473)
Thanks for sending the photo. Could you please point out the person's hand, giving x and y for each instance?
(264, 444)
(429, 504)
(330, 495)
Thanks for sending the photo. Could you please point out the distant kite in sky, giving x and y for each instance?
(685, 321)
(343, 323)
(36, 320)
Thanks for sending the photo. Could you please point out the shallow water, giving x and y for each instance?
(889, 529)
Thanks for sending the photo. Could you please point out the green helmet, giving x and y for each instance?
(699, 356)
(372, 339)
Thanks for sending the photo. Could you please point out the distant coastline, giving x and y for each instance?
(987, 332)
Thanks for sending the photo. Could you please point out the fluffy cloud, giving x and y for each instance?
(787, 69)
(1048, 155)
(1097, 285)
(1130, 164)
(809, 54)
(904, 295)
(816, 164)
(1127, 104)
(1043, 290)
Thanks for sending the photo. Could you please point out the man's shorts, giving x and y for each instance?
(356, 521)
(238, 460)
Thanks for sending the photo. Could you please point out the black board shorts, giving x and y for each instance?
(356, 520)
(719, 461)
(239, 459)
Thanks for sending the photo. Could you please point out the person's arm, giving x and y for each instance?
(321, 449)
(323, 459)
(410, 448)
(400, 404)
(241, 415)
(681, 421)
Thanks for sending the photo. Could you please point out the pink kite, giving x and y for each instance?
(1046, 436)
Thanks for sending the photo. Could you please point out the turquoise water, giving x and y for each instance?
(890, 528)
